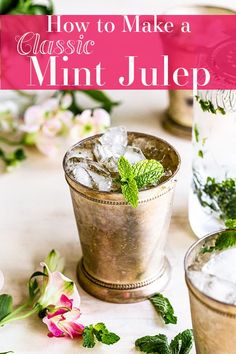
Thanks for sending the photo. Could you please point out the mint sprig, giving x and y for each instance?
(100, 333)
(140, 175)
(181, 344)
(164, 308)
(147, 172)
(223, 241)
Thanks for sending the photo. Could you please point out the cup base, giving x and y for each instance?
(123, 293)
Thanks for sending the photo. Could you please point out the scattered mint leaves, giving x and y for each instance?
(88, 337)
(5, 305)
(100, 333)
(163, 308)
(133, 178)
(208, 106)
(181, 344)
(147, 172)
(153, 344)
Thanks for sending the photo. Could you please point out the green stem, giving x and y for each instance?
(13, 315)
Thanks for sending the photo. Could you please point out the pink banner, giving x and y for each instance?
(118, 52)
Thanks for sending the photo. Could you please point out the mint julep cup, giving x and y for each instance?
(123, 247)
(213, 319)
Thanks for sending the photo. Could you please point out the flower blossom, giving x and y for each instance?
(63, 321)
(44, 123)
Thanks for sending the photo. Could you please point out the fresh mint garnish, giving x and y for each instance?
(196, 133)
(130, 192)
(133, 178)
(208, 106)
(224, 240)
(181, 344)
(230, 223)
(163, 308)
(147, 172)
(100, 333)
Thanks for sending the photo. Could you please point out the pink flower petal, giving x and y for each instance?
(52, 327)
(66, 302)
(33, 118)
(51, 127)
(46, 145)
(101, 117)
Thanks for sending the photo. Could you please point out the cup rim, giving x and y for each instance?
(106, 193)
(187, 279)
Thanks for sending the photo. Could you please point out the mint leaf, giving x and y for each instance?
(125, 169)
(101, 333)
(5, 305)
(130, 192)
(196, 133)
(182, 343)
(147, 172)
(208, 106)
(163, 308)
(225, 240)
(7, 352)
(230, 223)
(153, 344)
(88, 337)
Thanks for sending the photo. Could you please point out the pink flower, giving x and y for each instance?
(90, 122)
(63, 321)
(58, 285)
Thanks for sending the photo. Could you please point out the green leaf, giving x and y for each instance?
(230, 223)
(7, 352)
(196, 133)
(101, 97)
(7, 5)
(182, 343)
(5, 305)
(130, 192)
(163, 308)
(125, 169)
(225, 240)
(147, 172)
(208, 106)
(153, 344)
(103, 335)
(34, 289)
(88, 337)
(55, 261)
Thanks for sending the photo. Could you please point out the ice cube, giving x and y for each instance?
(116, 138)
(81, 175)
(222, 265)
(112, 144)
(214, 286)
(91, 174)
(80, 153)
(134, 154)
